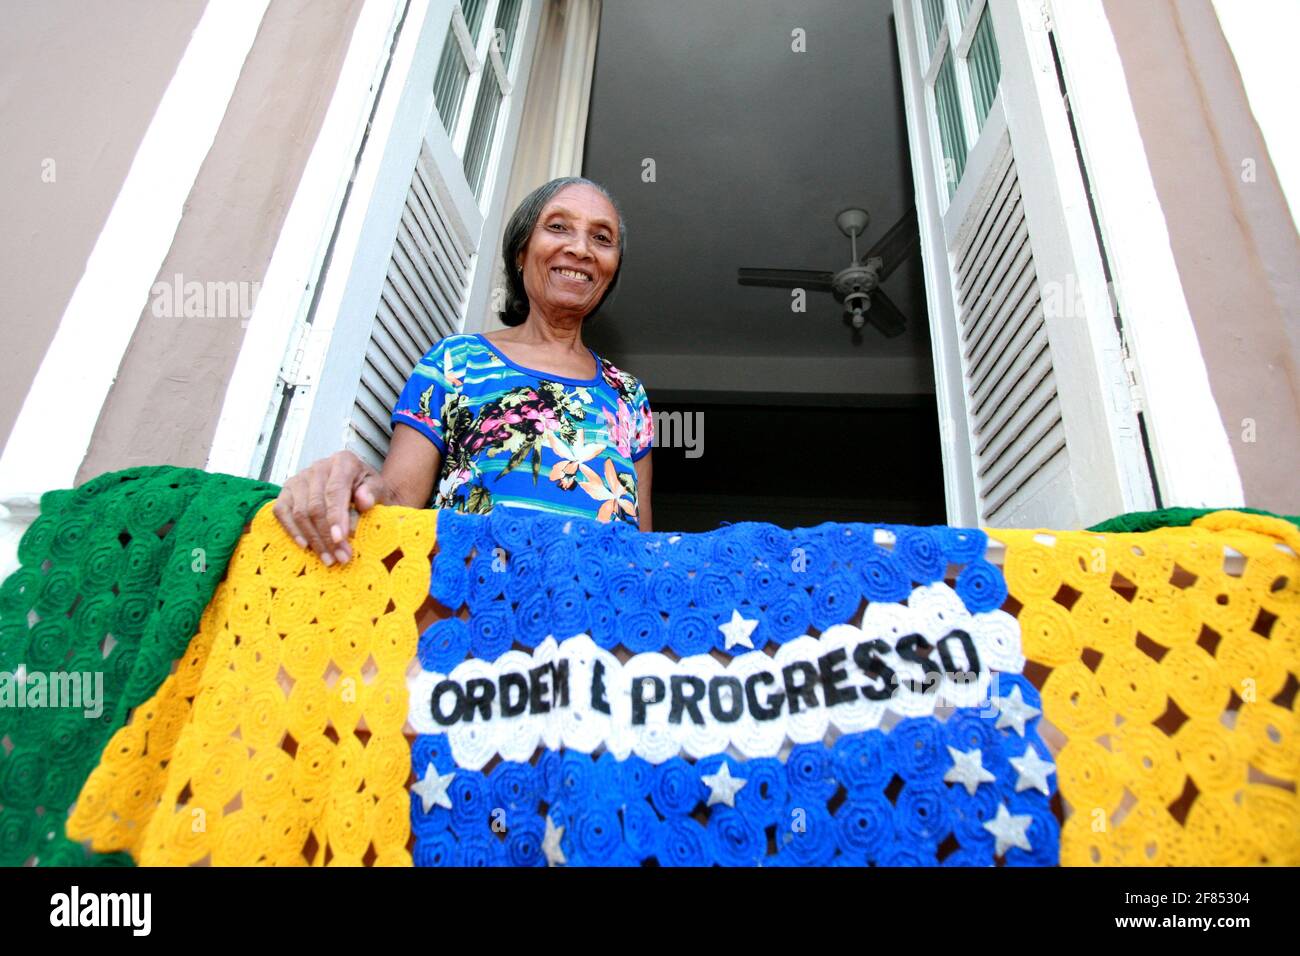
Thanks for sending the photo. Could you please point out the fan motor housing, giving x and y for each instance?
(856, 279)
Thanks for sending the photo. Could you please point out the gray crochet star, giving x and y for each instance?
(1013, 711)
(723, 787)
(1033, 771)
(967, 769)
(1009, 829)
(737, 631)
(551, 844)
(433, 788)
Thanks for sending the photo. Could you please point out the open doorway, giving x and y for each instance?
(732, 134)
(850, 458)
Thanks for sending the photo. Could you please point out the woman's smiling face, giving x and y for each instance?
(573, 252)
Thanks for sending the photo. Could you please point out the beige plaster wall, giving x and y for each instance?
(164, 405)
(1233, 237)
(79, 83)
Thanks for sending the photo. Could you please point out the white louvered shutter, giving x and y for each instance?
(1014, 412)
(1038, 419)
(421, 302)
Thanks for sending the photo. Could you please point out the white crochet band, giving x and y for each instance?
(903, 660)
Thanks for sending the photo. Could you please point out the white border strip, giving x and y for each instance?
(45, 450)
(1193, 457)
(296, 263)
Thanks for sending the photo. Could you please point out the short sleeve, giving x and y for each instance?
(424, 397)
(645, 423)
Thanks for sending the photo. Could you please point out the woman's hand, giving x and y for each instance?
(315, 505)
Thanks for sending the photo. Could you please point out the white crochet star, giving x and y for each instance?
(1013, 711)
(433, 788)
(1033, 771)
(551, 844)
(1009, 829)
(967, 769)
(723, 787)
(737, 630)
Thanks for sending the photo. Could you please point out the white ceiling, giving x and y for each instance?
(755, 149)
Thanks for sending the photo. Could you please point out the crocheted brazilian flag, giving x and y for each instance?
(523, 689)
(609, 700)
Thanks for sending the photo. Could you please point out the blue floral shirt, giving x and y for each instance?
(519, 437)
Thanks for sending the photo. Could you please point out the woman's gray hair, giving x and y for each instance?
(520, 227)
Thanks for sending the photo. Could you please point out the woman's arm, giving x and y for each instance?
(411, 467)
(643, 492)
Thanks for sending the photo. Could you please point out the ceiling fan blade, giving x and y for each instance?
(787, 279)
(896, 244)
(885, 316)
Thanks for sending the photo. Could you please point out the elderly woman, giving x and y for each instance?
(528, 417)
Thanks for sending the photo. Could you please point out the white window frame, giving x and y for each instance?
(933, 59)
(1108, 472)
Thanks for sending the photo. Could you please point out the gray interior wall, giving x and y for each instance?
(79, 83)
(1233, 239)
(762, 119)
(165, 403)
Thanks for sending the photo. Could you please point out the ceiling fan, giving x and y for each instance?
(856, 287)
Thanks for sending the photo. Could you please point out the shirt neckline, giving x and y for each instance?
(548, 376)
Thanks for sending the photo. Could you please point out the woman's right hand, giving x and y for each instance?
(315, 505)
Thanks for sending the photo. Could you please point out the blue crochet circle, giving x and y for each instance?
(919, 749)
(921, 554)
(735, 838)
(443, 645)
(568, 611)
(962, 545)
(641, 630)
(603, 620)
(435, 849)
(787, 617)
(883, 578)
(510, 528)
(449, 583)
(491, 631)
(515, 786)
(834, 600)
(865, 825)
(763, 797)
(684, 842)
(677, 787)
(691, 631)
(981, 587)
(669, 589)
(921, 813)
(862, 761)
(809, 772)
(642, 829)
(806, 834)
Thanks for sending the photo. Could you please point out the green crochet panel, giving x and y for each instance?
(1136, 521)
(114, 576)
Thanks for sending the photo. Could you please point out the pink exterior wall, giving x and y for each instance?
(79, 83)
(164, 405)
(1233, 238)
